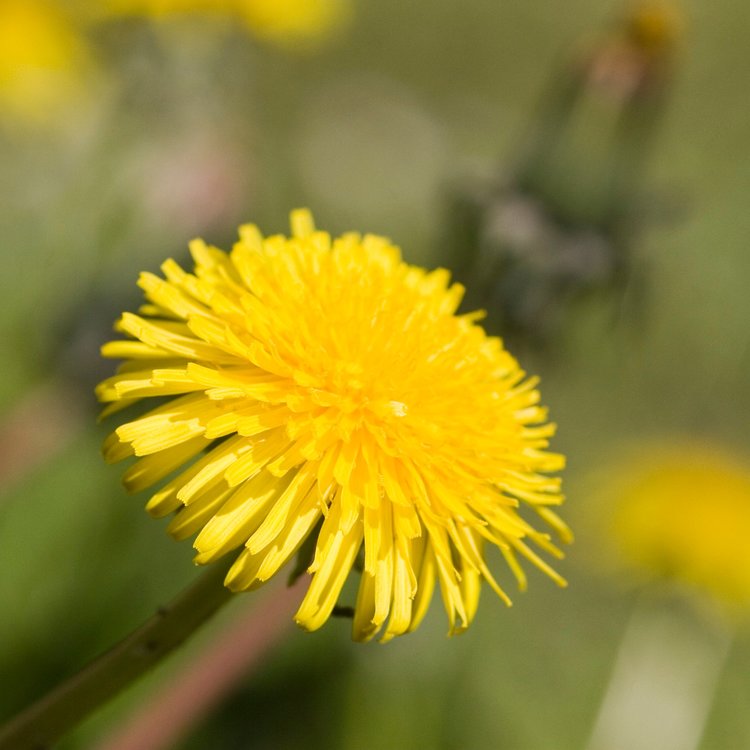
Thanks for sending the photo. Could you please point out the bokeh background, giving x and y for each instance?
(125, 132)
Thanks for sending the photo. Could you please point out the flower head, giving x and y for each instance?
(326, 389)
(288, 23)
(682, 512)
(43, 60)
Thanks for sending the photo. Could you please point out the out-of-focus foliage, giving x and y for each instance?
(558, 220)
(188, 126)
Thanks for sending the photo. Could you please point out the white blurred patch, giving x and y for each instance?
(193, 182)
(369, 152)
(663, 684)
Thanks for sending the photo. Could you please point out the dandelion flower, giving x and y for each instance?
(682, 512)
(326, 390)
(289, 22)
(43, 60)
(284, 22)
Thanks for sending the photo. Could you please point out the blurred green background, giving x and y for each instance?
(184, 128)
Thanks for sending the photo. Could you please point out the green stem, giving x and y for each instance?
(48, 719)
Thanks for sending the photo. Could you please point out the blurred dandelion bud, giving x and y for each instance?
(638, 55)
(324, 399)
(560, 219)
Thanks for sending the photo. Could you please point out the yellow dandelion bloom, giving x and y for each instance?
(161, 8)
(284, 22)
(289, 22)
(326, 389)
(683, 512)
(42, 60)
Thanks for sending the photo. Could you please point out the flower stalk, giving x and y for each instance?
(664, 681)
(44, 722)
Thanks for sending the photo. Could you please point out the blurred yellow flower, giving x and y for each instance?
(42, 60)
(285, 22)
(162, 8)
(288, 22)
(334, 394)
(683, 512)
